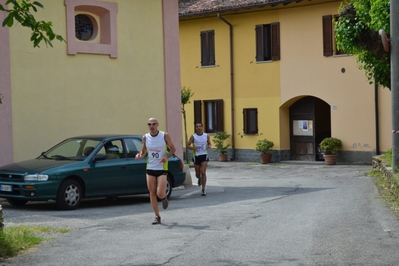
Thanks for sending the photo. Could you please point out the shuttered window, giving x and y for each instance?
(267, 42)
(197, 112)
(213, 116)
(329, 43)
(208, 48)
(250, 120)
(327, 36)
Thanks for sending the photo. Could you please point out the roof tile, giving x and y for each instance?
(193, 7)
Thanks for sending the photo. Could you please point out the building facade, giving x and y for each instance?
(270, 69)
(118, 67)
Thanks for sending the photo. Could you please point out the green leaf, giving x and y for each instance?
(8, 21)
(38, 4)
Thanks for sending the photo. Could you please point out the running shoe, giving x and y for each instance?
(165, 203)
(157, 220)
(203, 193)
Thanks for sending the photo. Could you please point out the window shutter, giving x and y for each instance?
(259, 42)
(245, 115)
(197, 111)
(275, 31)
(204, 50)
(327, 36)
(211, 36)
(219, 115)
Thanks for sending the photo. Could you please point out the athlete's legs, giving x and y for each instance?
(203, 174)
(152, 188)
(161, 186)
(197, 168)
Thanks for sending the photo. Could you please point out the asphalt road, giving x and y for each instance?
(253, 214)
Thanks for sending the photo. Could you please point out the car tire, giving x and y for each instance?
(69, 195)
(17, 202)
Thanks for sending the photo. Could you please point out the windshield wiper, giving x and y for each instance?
(60, 157)
(44, 155)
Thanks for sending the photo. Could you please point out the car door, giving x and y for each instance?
(110, 176)
(137, 182)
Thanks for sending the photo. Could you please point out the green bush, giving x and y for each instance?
(219, 139)
(330, 145)
(264, 146)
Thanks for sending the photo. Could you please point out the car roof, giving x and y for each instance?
(106, 136)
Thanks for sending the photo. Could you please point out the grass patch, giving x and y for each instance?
(388, 186)
(16, 239)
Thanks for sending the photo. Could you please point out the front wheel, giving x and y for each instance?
(69, 195)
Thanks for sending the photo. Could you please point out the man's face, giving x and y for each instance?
(152, 124)
(198, 128)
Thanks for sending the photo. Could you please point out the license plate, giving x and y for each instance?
(6, 188)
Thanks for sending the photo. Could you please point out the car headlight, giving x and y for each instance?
(36, 177)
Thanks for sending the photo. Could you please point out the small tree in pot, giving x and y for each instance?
(265, 147)
(330, 146)
(220, 147)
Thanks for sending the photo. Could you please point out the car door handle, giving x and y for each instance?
(123, 167)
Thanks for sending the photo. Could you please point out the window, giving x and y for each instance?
(213, 115)
(84, 29)
(208, 48)
(267, 42)
(91, 27)
(250, 120)
(329, 44)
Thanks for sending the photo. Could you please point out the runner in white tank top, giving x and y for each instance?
(199, 143)
(155, 143)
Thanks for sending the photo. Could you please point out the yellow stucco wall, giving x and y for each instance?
(55, 96)
(273, 87)
(305, 71)
(210, 83)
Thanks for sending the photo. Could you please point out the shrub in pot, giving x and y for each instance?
(265, 147)
(221, 148)
(330, 146)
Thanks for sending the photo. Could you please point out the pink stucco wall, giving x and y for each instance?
(172, 73)
(6, 140)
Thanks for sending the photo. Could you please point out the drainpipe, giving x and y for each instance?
(233, 152)
(377, 123)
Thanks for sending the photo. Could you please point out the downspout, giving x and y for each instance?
(233, 152)
(377, 123)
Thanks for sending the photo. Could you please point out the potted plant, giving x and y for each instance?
(220, 147)
(330, 146)
(265, 147)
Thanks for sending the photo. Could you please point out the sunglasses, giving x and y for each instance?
(152, 124)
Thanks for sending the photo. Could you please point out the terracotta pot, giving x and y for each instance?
(330, 159)
(265, 157)
(223, 157)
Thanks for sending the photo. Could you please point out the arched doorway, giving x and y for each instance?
(310, 123)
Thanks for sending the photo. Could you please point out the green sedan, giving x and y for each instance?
(83, 167)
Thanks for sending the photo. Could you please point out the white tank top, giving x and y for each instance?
(156, 148)
(201, 142)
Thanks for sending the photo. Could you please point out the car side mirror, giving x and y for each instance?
(99, 157)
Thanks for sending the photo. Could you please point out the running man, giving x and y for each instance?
(156, 143)
(199, 143)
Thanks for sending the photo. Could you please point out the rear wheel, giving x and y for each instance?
(17, 202)
(69, 195)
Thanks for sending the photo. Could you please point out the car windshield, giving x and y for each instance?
(71, 149)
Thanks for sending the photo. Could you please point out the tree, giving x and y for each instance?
(22, 12)
(186, 94)
(357, 32)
